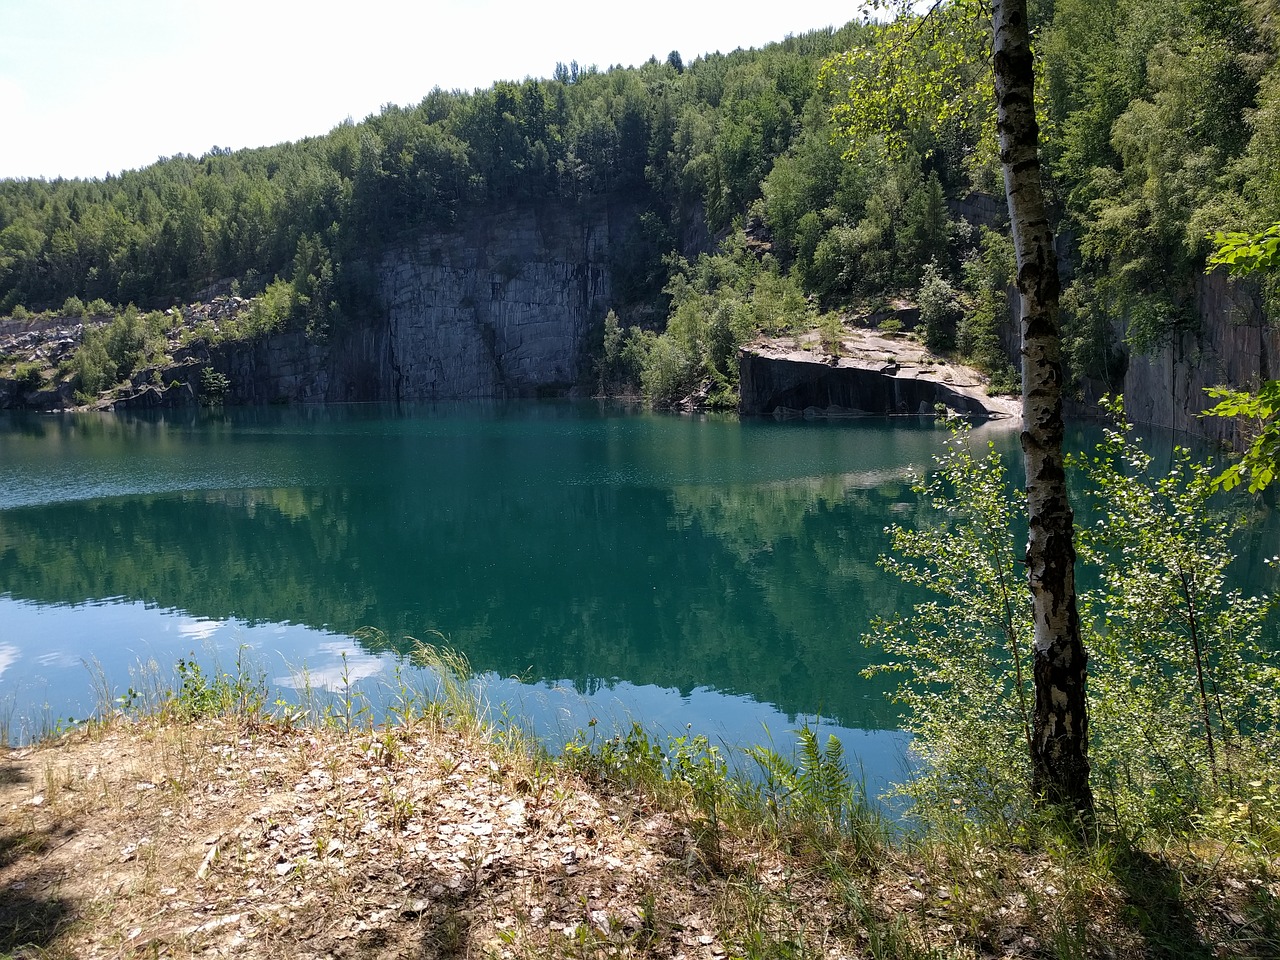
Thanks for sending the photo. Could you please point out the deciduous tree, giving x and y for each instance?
(1059, 743)
(1059, 751)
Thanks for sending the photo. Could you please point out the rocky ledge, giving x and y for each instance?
(872, 372)
(36, 354)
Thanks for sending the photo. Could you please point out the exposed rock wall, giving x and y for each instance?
(1235, 347)
(501, 306)
(874, 374)
(782, 387)
(504, 304)
(279, 368)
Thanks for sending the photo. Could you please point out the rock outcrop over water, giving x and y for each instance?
(873, 373)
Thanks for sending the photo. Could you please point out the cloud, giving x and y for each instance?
(90, 88)
(327, 670)
(8, 656)
(200, 629)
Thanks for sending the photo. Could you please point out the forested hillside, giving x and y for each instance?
(1161, 123)
(677, 136)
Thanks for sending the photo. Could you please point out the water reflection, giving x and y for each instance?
(695, 560)
(545, 541)
(64, 676)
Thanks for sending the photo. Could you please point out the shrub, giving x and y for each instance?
(963, 654)
(988, 273)
(1004, 380)
(112, 352)
(669, 373)
(1184, 692)
(939, 309)
(777, 304)
(73, 307)
(213, 386)
(831, 332)
(834, 259)
(273, 310)
(30, 376)
(1183, 683)
(134, 339)
(95, 370)
(611, 359)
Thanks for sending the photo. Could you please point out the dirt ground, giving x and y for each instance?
(227, 838)
(210, 840)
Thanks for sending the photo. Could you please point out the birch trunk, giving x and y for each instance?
(1059, 751)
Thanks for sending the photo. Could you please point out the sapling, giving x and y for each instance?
(963, 652)
(1181, 675)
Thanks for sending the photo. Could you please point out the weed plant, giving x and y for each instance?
(242, 694)
(815, 795)
(809, 802)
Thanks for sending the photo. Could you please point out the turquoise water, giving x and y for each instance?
(681, 571)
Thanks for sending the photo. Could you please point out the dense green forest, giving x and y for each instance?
(1160, 123)
(309, 212)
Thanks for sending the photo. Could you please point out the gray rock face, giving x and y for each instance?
(281, 368)
(1235, 347)
(501, 306)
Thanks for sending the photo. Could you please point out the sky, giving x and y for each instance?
(92, 87)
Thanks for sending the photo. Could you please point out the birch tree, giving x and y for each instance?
(1059, 742)
(1060, 739)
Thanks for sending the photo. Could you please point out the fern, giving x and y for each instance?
(816, 790)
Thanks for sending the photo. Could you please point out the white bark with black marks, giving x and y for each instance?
(1059, 751)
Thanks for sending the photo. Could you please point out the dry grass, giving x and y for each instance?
(167, 839)
(217, 837)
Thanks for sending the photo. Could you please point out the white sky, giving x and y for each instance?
(91, 87)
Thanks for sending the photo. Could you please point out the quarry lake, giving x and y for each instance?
(683, 572)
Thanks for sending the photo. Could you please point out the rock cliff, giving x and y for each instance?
(1234, 347)
(500, 306)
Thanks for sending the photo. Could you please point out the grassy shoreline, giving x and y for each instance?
(209, 824)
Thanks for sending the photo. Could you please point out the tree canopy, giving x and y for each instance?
(672, 135)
